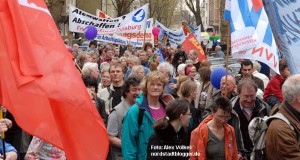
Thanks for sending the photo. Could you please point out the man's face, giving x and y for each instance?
(247, 71)
(94, 58)
(150, 52)
(143, 57)
(75, 46)
(181, 49)
(117, 52)
(116, 74)
(191, 55)
(247, 97)
(229, 87)
(92, 46)
(130, 48)
(134, 91)
(109, 53)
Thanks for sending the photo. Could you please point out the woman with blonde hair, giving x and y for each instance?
(176, 92)
(149, 107)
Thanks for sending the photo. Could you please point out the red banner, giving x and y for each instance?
(191, 43)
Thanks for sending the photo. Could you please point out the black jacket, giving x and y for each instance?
(165, 143)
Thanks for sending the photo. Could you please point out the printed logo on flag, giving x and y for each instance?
(139, 16)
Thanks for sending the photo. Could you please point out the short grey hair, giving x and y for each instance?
(256, 65)
(104, 66)
(134, 59)
(181, 67)
(88, 67)
(194, 52)
(135, 69)
(167, 66)
(291, 88)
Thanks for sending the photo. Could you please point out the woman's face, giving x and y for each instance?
(185, 119)
(106, 79)
(141, 72)
(123, 62)
(155, 88)
(221, 117)
(181, 72)
(89, 58)
(194, 94)
(157, 59)
(193, 73)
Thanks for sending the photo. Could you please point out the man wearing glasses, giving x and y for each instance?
(246, 106)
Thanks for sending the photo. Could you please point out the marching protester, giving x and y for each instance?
(214, 139)
(167, 70)
(227, 89)
(246, 105)
(114, 126)
(282, 139)
(137, 123)
(273, 92)
(112, 94)
(170, 133)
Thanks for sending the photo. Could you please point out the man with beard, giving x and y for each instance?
(131, 90)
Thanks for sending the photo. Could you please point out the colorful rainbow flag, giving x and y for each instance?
(187, 29)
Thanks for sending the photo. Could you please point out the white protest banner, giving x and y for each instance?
(174, 37)
(132, 22)
(136, 39)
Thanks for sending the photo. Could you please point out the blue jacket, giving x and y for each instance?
(134, 138)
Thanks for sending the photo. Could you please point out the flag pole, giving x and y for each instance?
(2, 136)
(227, 55)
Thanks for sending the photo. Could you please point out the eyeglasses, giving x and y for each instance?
(248, 97)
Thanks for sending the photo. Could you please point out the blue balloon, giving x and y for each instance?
(216, 76)
(215, 42)
(90, 32)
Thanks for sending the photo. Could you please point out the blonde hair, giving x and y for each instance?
(187, 88)
(151, 77)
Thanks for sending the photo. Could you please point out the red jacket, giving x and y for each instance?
(199, 139)
(274, 88)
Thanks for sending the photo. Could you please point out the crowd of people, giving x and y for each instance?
(159, 103)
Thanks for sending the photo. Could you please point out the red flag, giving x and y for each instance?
(40, 85)
(190, 43)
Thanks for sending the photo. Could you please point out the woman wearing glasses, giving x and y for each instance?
(214, 139)
(170, 133)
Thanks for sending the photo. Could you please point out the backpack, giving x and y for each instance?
(257, 132)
